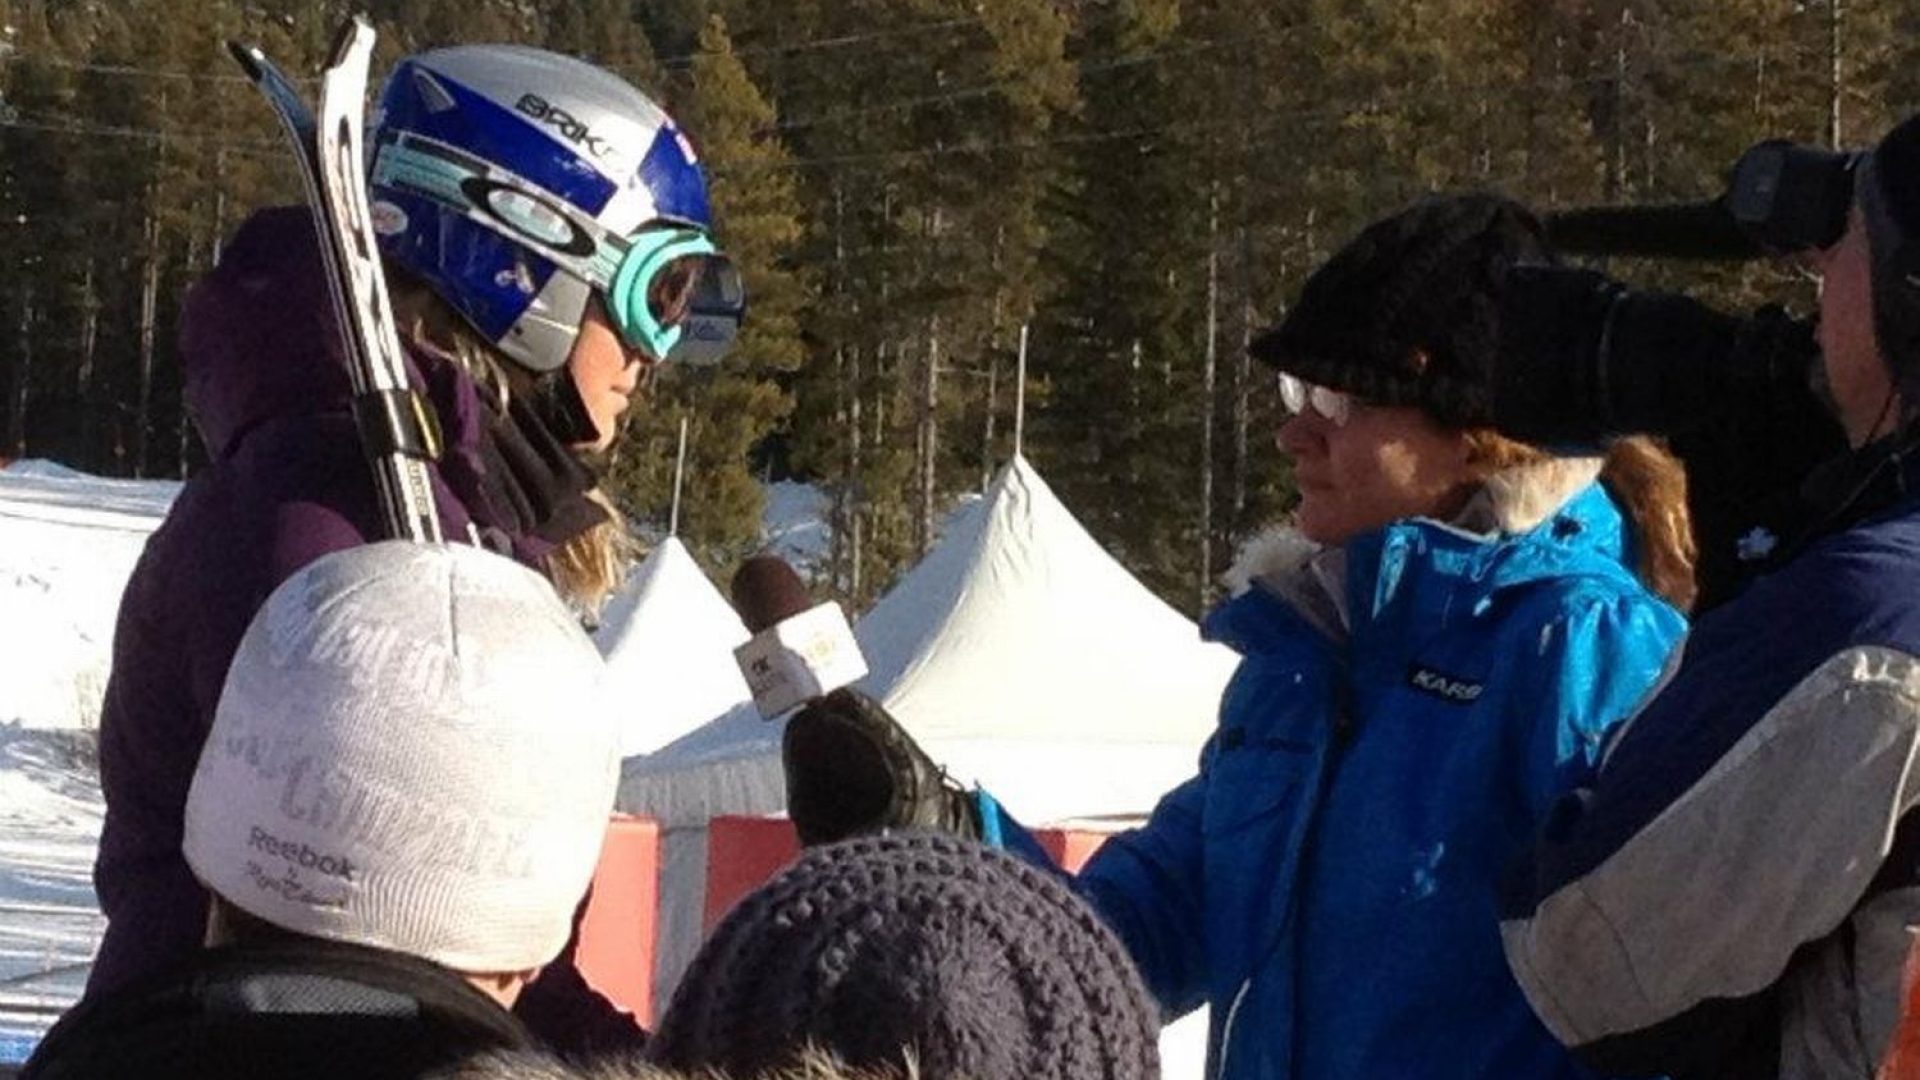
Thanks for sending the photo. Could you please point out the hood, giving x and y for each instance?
(258, 338)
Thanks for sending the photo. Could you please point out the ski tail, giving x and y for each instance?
(398, 431)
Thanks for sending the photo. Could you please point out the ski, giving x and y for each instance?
(397, 428)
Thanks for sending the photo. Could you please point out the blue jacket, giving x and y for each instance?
(1328, 882)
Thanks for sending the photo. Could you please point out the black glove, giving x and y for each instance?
(852, 769)
(1583, 358)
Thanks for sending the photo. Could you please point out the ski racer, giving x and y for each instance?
(526, 367)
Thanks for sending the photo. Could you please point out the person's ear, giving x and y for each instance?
(503, 986)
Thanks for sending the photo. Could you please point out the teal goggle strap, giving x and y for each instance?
(652, 252)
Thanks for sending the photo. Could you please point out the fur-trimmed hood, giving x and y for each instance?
(1311, 577)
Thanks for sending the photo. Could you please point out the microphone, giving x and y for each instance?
(850, 768)
(1676, 231)
(800, 650)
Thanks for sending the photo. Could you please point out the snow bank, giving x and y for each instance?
(50, 814)
(68, 542)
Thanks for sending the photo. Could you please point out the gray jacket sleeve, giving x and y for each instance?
(1771, 848)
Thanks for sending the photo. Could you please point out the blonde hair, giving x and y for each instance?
(1648, 483)
(587, 568)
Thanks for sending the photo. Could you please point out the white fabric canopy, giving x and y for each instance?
(1026, 659)
(1020, 654)
(668, 636)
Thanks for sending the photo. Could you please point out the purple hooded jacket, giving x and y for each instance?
(287, 483)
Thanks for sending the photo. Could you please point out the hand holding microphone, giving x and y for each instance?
(850, 767)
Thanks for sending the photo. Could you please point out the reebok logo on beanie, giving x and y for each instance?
(300, 854)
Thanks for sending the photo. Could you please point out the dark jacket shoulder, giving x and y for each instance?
(293, 1009)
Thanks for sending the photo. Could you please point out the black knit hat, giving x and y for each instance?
(977, 963)
(1425, 281)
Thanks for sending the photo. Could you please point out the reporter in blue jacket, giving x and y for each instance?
(1437, 652)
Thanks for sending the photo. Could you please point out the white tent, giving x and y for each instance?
(668, 636)
(1026, 659)
(1020, 654)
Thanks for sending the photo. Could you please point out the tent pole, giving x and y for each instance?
(679, 474)
(1020, 394)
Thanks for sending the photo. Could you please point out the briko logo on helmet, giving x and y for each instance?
(575, 131)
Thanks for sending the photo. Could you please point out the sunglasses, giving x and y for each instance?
(1297, 396)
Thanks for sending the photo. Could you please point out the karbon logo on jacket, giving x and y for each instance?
(1444, 686)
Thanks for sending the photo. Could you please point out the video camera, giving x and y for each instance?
(1586, 358)
(1782, 198)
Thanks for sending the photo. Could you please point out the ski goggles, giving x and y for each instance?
(674, 295)
(668, 290)
(1298, 395)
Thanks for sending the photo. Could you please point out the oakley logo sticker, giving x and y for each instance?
(1442, 685)
(529, 215)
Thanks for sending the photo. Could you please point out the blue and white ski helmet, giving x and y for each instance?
(519, 183)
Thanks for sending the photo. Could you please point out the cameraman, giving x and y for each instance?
(1731, 896)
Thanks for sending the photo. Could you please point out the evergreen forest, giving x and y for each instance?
(916, 189)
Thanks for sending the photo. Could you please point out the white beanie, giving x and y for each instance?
(410, 753)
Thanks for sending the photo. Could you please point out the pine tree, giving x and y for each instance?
(1119, 344)
(38, 223)
(603, 32)
(730, 409)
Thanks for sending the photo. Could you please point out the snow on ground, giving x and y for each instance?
(67, 543)
(50, 813)
(794, 526)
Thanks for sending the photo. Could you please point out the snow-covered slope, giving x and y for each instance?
(50, 814)
(67, 543)
(794, 526)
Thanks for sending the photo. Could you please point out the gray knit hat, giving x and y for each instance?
(412, 753)
(977, 964)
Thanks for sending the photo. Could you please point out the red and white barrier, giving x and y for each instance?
(619, 935)
(618, 932)
(743, 852)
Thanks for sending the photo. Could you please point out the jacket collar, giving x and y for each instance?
(1526, 524)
